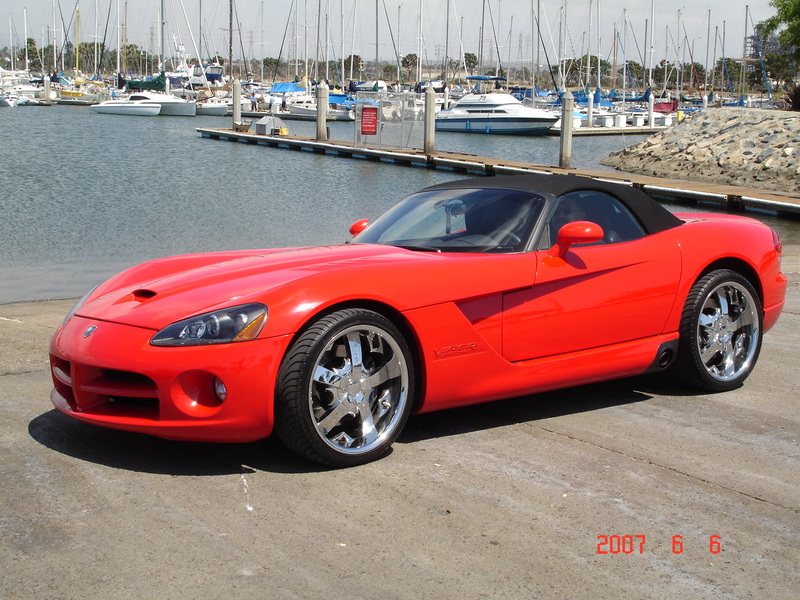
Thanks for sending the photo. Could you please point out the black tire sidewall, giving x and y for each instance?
(689, 366)
(294, 421)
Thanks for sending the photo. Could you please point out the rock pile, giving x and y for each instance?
(736, 146)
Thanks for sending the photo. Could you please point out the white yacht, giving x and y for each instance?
(126, 106)
(170, 105)
(494, 113)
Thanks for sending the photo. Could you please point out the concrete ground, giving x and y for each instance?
(580, 493)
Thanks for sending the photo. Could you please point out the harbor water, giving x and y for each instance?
(84, 195)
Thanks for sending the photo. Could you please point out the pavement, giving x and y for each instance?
(636, 489)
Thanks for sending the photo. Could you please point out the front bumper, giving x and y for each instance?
(113, 377)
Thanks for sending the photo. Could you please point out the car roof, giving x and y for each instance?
(652, 215)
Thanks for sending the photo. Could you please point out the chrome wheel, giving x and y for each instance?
(728, 331)
(359, 389)
(720, 334)
(345, 388)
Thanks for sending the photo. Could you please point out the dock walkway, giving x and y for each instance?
(732, 197)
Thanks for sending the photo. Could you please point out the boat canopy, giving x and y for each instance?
(287, 87)
(157, 83)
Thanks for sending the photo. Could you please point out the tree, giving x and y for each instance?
(357, 63)
(409, 62)
(728, 74)
(787, 23)
(471, 61)
(635, 75)
(271, 66)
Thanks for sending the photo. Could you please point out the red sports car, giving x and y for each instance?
(465, 292)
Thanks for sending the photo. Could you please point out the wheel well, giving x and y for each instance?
(741, 267)
(395, 316)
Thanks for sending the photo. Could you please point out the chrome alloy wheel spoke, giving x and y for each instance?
(357, 387)
(727, 332)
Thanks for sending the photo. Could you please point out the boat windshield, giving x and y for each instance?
(459, 220)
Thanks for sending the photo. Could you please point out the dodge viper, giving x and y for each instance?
(465, 292)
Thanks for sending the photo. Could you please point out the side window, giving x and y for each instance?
(618, 224)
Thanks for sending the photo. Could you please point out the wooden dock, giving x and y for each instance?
(731, 197)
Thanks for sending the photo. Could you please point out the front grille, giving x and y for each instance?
(105, 391)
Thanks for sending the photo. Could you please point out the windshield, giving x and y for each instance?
(459, 220)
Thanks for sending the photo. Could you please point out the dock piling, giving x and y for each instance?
(430, 122)
(565, 149)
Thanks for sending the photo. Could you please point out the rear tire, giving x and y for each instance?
(720, 332)
(345, 389)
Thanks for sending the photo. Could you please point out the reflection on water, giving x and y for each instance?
(84, 195)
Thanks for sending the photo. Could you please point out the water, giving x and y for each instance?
(84, 195)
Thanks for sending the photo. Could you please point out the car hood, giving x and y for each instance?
(160, 292)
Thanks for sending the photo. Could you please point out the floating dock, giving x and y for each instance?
(730, 197)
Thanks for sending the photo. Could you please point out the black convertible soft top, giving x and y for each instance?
(651, 214)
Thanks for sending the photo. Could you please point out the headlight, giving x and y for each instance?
(78, 304)
(235, 324)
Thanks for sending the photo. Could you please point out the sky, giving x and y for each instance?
(281, 27)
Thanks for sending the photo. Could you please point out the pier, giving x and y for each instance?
(731, 197)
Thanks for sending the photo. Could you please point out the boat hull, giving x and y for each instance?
(178, 109)
(212, 109)
(170, 105)
(134, 109)
(496, 125)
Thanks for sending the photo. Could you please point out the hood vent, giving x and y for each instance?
(143, 294)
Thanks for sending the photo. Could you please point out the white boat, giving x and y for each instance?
(213, 107)
(170, 105)
(127, 106)
(305, 108)
(494, 113)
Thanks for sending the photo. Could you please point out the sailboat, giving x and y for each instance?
(156, 90)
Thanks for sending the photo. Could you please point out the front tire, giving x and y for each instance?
(720, 333)
(345, 389)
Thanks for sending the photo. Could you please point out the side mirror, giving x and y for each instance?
(577, 232)
(358, 227)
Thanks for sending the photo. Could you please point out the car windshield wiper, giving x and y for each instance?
(417, 247)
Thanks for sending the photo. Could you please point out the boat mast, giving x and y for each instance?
(96, 35)
(480, 41)
(744, 52)
(77, 40)
(652, 20)
(119, 39)
(419, 42)
(589, 49)
(161, 43)
(708, 42)
(200, 19)
(599, 40)
(25, 38)
(125, 39)
(55, 44)
(446, 39)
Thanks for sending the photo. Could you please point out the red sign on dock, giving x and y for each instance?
(369, 121)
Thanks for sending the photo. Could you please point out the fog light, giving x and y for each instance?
(220, 390)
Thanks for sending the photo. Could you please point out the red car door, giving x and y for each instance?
(593, 296)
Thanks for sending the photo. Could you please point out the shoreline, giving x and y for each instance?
(754, 148)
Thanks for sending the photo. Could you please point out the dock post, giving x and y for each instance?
(650, 117)
(565, 154)
(237, 102)
(430, 120)
(590, 110)
(322, 111)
